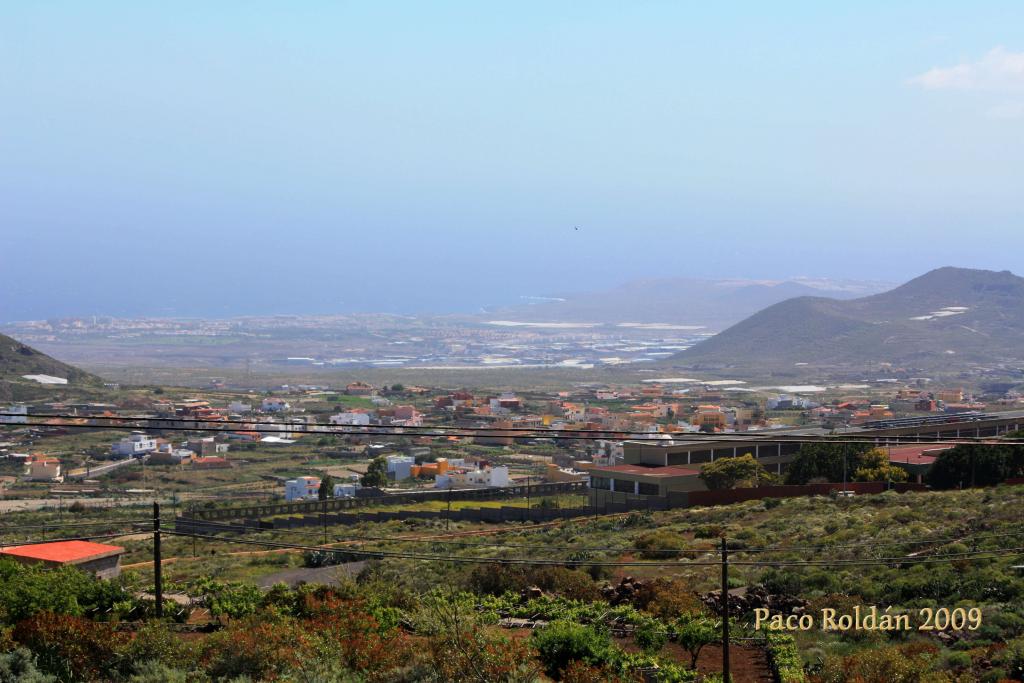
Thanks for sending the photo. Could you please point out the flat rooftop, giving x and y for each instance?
(647, 471)
(63, 552)
(916, 455)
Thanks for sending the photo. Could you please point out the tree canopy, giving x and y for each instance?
(875, 466)
(976, 465)
(825, 461)
(326, 487)
(740, 471)
(376, 473)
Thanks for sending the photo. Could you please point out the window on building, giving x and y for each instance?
(700, 456)
(645, 489)
(603, 483)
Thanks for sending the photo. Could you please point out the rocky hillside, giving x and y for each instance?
(18, 360)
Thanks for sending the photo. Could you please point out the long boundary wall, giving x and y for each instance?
(519, 514)
(411, 498)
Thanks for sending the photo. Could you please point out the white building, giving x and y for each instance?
(302, 488)
(134, 445)
(499, 476)
(19, 416)
(345, 490)
(456, 479)
(351, 419)
(41, 468)
(275, 405)
(171, 456)
(400, 466)
(787, 402)
(239, 407)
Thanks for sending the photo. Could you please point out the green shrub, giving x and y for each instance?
(782, 582)
(155, 672)
(1012, 659)
(562, 642)
(19, 666)
(709, 531)
(693, 633)
(785, 658)
(155, 643)
(659, 545)
(650, 636)
(958, 660)
(28, 590)
(232, 599)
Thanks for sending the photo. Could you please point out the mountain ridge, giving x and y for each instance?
(714, 304)
(948, 317)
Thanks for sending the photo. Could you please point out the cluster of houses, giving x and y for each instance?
(447, 473)
(199, 452)
(657, 412)
(387, 416)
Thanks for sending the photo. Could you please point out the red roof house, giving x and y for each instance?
(97, 558)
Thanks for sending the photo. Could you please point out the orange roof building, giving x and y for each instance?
(99, 559)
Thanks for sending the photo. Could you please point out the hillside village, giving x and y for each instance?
(276, 422)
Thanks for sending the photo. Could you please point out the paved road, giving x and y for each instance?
(98, 470)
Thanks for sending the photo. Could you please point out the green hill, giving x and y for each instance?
(946, 320)
(18, 360)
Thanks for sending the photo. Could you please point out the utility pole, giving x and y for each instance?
(193, 528)
(448, 515)
(725, 611)
(844, 468)
(158, 578)
(528, 504)
(323, 517)
(888, 468)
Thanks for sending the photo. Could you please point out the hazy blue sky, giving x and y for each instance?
(230, 157)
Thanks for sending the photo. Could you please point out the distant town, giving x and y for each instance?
(355, 341)
(605, 432)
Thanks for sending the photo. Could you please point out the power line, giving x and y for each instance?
(620, 433)
(558, 435)
(386, 429)
(74, 538)
(65, 525)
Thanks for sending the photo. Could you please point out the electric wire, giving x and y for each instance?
(547, 433)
